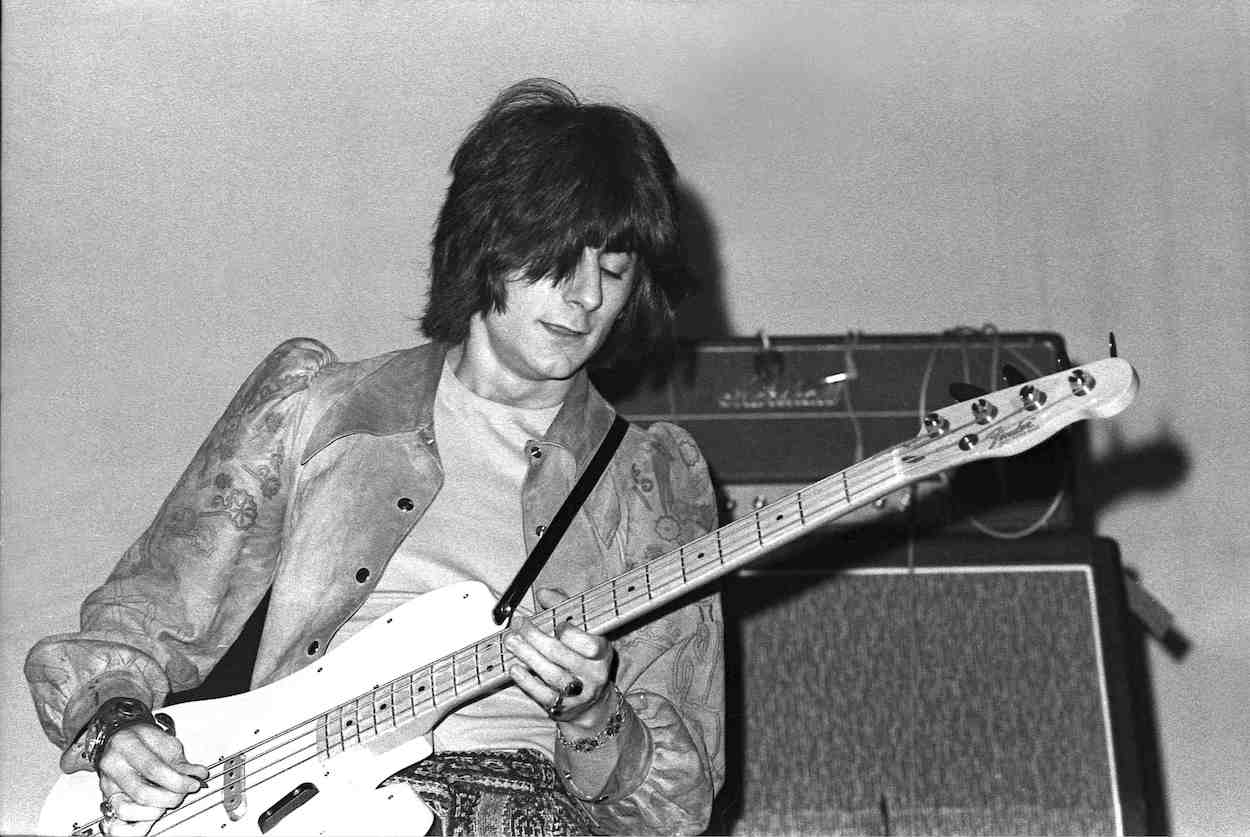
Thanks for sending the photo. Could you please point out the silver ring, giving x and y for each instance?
(106, 809)
(557, 706)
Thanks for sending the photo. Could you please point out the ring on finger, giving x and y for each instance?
(107, 810)
(557, 705)
(573, 688)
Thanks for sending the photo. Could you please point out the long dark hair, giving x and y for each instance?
(540, 177)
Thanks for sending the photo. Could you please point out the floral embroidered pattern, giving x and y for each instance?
(269, 476)
(237, 505)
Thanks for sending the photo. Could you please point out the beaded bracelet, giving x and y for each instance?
(113, 715)
(587, 745)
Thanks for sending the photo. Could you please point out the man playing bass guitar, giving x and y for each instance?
(346, 488)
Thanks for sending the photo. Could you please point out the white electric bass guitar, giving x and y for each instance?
(305, 754)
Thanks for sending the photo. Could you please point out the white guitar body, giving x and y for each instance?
(347, 800)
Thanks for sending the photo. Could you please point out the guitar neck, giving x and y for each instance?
(633, 594)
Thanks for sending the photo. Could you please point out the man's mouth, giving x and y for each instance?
(563, 330)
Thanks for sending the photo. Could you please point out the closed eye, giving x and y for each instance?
(618, 266)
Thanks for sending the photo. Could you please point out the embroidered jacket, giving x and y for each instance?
(314, 475)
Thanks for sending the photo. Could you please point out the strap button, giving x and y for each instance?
(405, 504)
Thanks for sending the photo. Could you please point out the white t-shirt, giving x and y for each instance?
(472, 530)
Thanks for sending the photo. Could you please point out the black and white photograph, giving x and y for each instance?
(557, 417)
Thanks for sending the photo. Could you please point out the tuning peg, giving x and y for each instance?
(1012, 375)
(1111, 344)
(962, 391)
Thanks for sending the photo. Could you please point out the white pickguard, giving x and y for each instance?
(347, 799)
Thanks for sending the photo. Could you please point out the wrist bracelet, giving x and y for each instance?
(114, 714)
(587, 745)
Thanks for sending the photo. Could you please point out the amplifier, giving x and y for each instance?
(954, 685)
(774, 415)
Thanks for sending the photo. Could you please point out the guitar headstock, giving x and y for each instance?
(1014, 419)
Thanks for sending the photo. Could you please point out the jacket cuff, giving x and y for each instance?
(83, 705)
(633, 760)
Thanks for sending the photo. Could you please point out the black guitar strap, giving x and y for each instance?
(555, 529)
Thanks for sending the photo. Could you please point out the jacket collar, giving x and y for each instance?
(398, 397)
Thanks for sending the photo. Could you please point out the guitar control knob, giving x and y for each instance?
(1081, 381)
(1032, 397)
(936, 425)
(968, 442)
(983, 411)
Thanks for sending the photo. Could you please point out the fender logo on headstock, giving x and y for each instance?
(1002, 434)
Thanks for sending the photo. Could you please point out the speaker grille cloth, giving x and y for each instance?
(927, 703)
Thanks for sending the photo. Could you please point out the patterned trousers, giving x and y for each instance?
(495, 792)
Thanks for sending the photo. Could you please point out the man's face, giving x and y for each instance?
(549, 331)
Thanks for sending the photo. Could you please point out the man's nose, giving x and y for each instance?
(585, 286)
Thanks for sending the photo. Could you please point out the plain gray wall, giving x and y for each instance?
(185, 185)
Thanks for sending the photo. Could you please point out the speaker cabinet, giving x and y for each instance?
(948, 686)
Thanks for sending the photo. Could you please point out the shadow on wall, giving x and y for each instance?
(702, 315)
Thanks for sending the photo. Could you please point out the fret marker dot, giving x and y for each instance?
(382, 708)
(631, 589)
(349, 723)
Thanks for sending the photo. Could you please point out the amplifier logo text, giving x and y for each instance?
(781, 395)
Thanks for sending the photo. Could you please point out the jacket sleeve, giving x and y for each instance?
(180, 595)
(670, 669)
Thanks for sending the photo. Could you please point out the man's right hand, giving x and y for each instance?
(143, 773)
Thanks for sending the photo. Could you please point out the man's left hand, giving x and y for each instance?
(568, 674)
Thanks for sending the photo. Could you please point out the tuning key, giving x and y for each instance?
(1080, 381)
(983, 411)
(936, 425)
(1032, 397)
